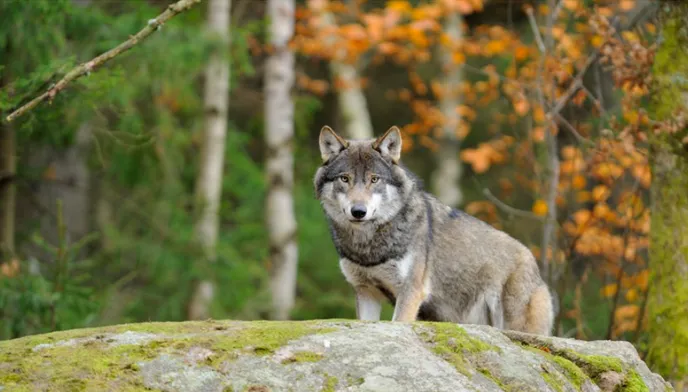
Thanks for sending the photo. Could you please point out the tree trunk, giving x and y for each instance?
(209, 185)
(66, 177)
(668, 293)
(445, 179)
(8, 169)
(353, 105)
(279, 135)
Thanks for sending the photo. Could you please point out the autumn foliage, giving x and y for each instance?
(526, 92)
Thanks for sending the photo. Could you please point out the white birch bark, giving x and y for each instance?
(446, 177)
(209, 183)
(279, 135)
(353, 105)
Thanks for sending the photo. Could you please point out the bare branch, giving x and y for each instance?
(557, 10)
(575, 86)
(509, 209)
(598, 103)
(622, 266)
(536, 30)
(476, 70)
(550, 140)
(578, 136)
(87, 67)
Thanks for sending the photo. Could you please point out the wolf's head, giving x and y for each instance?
(360, 181)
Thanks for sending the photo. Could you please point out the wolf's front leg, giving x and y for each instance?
(368, 304)
(407, 306)
(412, 295)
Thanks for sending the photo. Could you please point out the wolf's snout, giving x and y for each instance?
(358, 211)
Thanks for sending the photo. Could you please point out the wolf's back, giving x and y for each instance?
(469, 258)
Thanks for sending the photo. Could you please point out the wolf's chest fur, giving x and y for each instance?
(377, 244)
(387, 277)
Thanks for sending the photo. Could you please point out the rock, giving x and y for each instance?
(320, 355)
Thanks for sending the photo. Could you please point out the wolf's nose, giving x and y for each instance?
(358, 211)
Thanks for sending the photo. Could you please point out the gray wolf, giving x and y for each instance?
(399, 243)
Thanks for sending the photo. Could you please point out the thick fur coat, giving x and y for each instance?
(399, 243)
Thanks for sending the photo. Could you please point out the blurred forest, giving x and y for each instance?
(175, 181)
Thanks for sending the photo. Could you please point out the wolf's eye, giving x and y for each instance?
(374, 179)
(344, 178)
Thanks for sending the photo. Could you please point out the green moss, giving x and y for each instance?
(552, 381)
(453, 343)
(330, 383)
(591, 366)
(667, 329)
(304, 356)
(573, 373)
(580, 367)
(263, 338)
(577, 368)
(93, 365)
(594, 365)
(486, 372)
(634, 383)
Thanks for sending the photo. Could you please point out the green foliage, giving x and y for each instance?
(55, 297)
(145, 131)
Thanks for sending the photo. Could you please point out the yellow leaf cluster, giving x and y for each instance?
(400, 6)
(609, 290)
(486, 154)
(540, 208)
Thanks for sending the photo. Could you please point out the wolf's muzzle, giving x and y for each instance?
(358, 211)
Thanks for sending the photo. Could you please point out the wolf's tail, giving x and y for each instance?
(540, 312)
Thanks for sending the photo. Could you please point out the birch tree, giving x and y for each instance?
(353, 106)
(209, 183)
(445, 179)
(279, 135)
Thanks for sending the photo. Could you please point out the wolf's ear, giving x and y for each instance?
(331, 144)
(389, 144)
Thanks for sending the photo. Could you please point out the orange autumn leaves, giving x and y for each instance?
(9, 268)
(601, 193)
(400, 32)
(487, 154)
(603, 183)
(612, 222)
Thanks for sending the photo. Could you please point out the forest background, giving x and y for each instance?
(174, 181)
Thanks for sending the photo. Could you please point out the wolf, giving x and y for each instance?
(397, 242)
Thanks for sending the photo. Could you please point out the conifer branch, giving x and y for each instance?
(87, 67)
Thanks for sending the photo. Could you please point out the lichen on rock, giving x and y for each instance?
(319, 355)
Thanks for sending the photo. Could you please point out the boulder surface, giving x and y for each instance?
(319, 355)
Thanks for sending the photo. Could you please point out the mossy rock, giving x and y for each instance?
(319, 355)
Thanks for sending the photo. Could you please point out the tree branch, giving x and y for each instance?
(536, 31)
(574, 132)
(509, 209)
(576, 85)
(86, 68)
